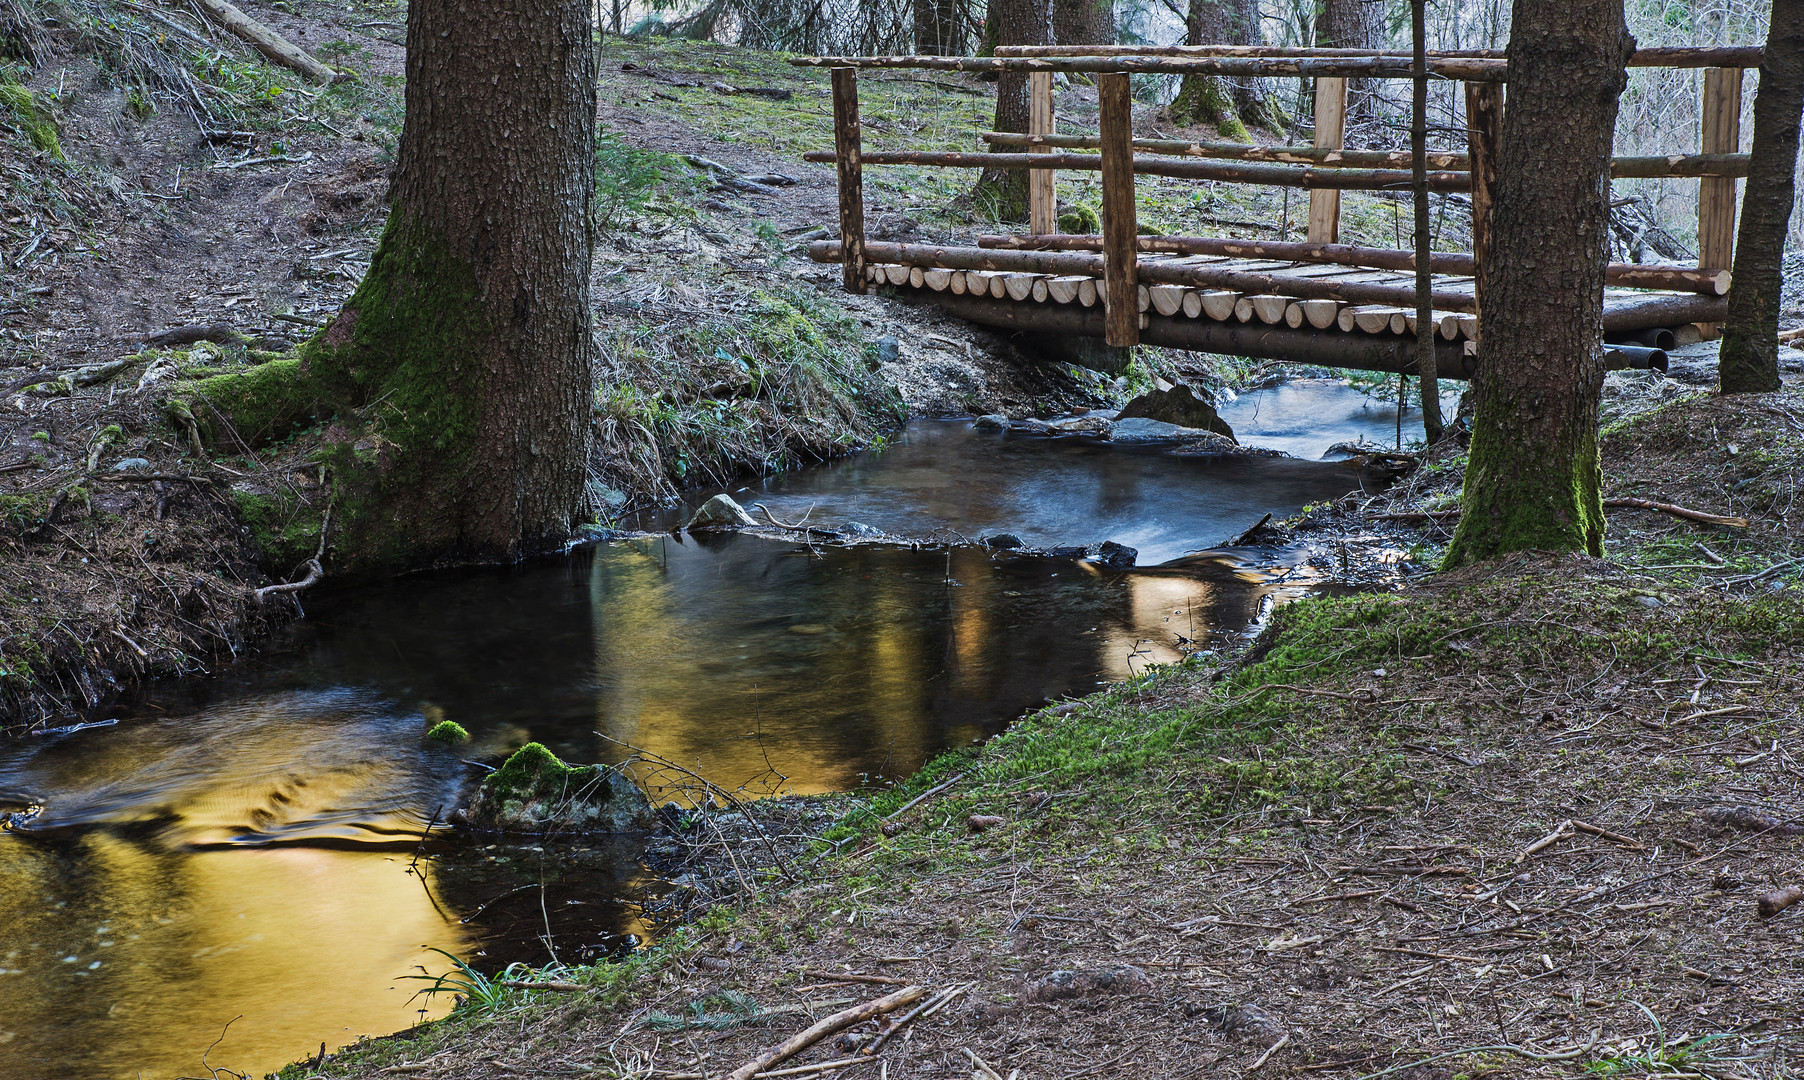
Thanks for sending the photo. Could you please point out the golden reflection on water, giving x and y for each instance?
(765, 666)
(127, 953)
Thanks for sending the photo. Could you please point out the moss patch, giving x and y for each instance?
(32, 118)
(284, 529)
(450, 733)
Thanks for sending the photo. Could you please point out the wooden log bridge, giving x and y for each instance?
(1317, 302)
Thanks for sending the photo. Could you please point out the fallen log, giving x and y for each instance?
(1774, 902)
(1678, 511)
(839, 1021)
(1624, 275)
(267, 41)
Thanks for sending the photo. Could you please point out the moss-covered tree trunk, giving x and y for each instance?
(1012, 22)
(1228, 104)
(460, 373)
(1532, 479)
(1749, 359)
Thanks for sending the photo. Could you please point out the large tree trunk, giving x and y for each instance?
(1231, 104)
(1083, 22)
(1749, 358)
(1012, 22)
(461, 371)
(1532, 479)
(1354, 24)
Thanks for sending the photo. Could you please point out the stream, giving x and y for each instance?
(243, 850)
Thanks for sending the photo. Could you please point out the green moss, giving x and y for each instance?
(284, 529)
(31, 117)
(22, 512)
(533, 771)
(262, 404)
(1203, 99)
(1080, 219)
(450, 733)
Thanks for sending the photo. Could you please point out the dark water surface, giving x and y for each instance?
(243, 847)
(940, 474)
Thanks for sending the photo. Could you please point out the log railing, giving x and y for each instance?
(1325, 169)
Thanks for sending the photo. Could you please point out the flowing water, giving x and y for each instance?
(242, 850)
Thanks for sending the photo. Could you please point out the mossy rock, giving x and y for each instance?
(536, 792)
(1080, 219)
(449, 732)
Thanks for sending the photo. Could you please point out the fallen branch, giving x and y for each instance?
(832, 1025)
(1269, 1051)
(267, 41)
(1678, 512)
(922, 797)
(1552, 838)
(143, 478)
(314, 572)
(1585, 826)
(1623, 503)
(925, 1008)
(846, 976)
(1774, 902)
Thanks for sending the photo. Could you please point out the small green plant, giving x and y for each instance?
(138, 106)
(469, 989)
(627, 178)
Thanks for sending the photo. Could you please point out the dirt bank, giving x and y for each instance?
(1510, 821)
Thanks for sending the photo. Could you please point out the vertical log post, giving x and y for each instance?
(1418, 152)
(1716, 194)
(1120, 229)
(1330, 134)
(1484, 127)
(846, 146)
(1042, 201)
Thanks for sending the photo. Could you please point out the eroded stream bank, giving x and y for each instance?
(244, 847)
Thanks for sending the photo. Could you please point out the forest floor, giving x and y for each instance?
(1506, 821)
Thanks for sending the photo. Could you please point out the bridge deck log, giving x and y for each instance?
(1366, 352)
(1623, 275)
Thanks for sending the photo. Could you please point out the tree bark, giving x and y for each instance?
(1532, 479)
(1013, 22)
(1749, 357)
(459, 375)
(1083, 22)
(1354, 24)
(1228, 103)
